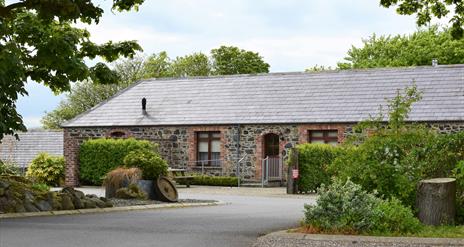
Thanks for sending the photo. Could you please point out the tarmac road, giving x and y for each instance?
(236, 224)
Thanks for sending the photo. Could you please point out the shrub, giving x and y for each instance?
(342, 207)
(41, 187)
(386, 162)
(131, 192)
(151, 164)
(390, 216)
(47, 169)
(458, 173)
(213, 181)
(441, 155)
(9, 169)
(346, 207)
(99, 156)
(313, 160)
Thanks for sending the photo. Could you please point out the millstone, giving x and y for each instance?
(165, 190)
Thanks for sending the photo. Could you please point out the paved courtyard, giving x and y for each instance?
(252, 212)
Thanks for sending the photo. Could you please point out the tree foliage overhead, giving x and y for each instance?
(415, 49)
(85, 95)
(425, 10)
(230, 60)
(39, 42)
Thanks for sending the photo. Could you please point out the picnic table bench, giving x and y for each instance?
(179, 176)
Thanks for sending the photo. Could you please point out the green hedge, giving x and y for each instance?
(313, 160)
(99, 156)
(214, 181)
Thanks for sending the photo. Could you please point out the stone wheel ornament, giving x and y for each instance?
(166, 190)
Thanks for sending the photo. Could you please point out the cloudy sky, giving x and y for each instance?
(291, 35)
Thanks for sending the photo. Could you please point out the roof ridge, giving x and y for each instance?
(355, 70)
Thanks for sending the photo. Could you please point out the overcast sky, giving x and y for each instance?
(291, 35)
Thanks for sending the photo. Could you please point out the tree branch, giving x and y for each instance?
(6, 10)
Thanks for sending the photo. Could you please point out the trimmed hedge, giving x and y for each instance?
(214, 181)
(313, 160)
(99, 156)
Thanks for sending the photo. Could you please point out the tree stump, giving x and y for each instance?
(435, 201)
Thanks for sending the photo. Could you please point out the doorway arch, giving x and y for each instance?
(271, 145)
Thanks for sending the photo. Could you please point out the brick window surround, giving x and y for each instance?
(326, 136)
(193, 142)
(209, 138)
(118, 133)
(304, 130)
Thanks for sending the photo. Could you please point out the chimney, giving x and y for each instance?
(434, 62)
(144, 106)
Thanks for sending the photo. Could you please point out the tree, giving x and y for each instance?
(230, 60)
(39, 42)
(425, 10)
(130, 69)
(319, 68)
(416, 49)
(196, 64)
(158, 65)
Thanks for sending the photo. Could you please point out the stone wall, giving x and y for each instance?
(178, 143)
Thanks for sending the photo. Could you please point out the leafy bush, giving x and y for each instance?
(441, 155)
(390, 216)
(342, 207)
(46, 169)
(41, 187)
(393, 157)
(458, 173)
(385, 162)
(99, 156)
(151, 164)
(213, 181)
(131, 192)
(346, 207)
(9, 169)
(313, 160)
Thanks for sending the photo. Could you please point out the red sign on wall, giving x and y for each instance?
(295, 173)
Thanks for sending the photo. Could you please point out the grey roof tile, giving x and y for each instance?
(30, 144)
(339, 96)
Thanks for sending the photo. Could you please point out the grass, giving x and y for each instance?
(425, 232)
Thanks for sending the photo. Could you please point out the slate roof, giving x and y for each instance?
(22, 152)
(324, 97)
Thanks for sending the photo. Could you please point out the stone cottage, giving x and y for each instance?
(212, 123)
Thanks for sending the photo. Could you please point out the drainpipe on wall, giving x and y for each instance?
(237, 172)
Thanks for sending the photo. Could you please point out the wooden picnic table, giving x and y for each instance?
(180, 177)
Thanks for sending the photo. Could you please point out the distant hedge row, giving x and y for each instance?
(99, 156)
(214, 181)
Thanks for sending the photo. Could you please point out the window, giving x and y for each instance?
(209, 148)
(117, 134)
(323, 136)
